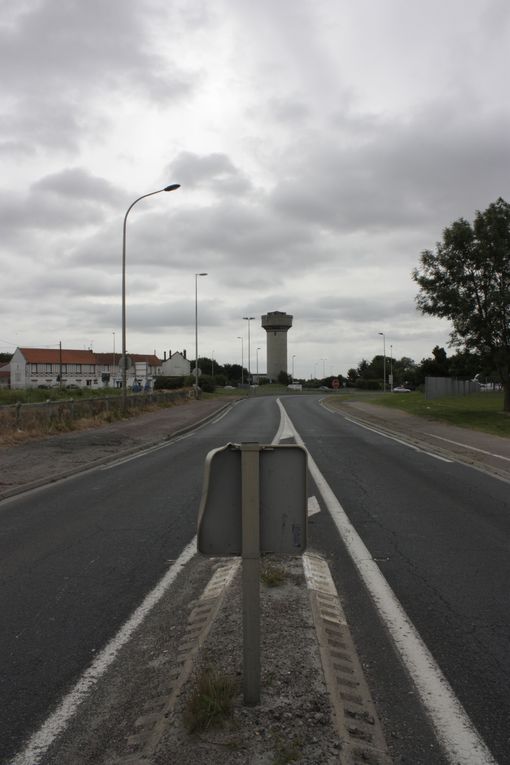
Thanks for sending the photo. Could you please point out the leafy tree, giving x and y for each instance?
(283, 378)
(5, 358)
(467, 280)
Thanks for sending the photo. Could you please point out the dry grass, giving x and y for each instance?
(211, 701)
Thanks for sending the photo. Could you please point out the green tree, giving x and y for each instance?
(467, 280)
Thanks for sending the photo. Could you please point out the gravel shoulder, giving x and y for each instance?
(37, 461)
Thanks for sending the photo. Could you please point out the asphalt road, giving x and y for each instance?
(439, 532)
(79, 556)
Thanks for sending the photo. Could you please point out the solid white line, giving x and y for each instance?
(56, 723)
(466, 446)
(398, 440)
(149, 450)
(455, 731)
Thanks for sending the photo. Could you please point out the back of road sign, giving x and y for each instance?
(283, 501)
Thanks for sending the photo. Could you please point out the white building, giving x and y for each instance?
(176, 365)
(55, 367)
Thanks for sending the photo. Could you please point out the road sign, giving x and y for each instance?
(335, 382)
(254, 500)
(282, 502)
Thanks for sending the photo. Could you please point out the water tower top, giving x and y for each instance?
(277, 321)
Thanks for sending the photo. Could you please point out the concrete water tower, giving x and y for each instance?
(276, 324)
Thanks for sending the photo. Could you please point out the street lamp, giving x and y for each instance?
(391, 368)
(242, 358)
(323, 368)
(257, 357)
(196, 332)
(293, 367)
(172, 187)
(248, 319)
(384, 360)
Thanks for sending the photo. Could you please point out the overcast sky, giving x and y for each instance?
(321, 146)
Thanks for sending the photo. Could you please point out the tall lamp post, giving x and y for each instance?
(384, 361)
(172, 187)
(294, 356)
(257, 357)
(196, 331)
(249, 319)
(391, 368)
(242, 358)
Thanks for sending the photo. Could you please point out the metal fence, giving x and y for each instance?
(51, 414)
(435, 387)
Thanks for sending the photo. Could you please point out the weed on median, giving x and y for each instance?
(211, 701)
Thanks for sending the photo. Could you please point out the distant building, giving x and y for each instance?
(176, 365)
(55, 367)
(276, 324)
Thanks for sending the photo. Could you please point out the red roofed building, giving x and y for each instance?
(55, 367)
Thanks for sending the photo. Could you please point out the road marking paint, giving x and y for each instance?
(313, 506)
(398, 440)
(466, 446)
(456, 733)
(56, 723)
(144, 452)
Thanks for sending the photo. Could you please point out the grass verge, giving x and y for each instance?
(478, 411)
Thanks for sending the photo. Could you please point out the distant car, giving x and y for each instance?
(228, 387)
(324, 387)
(400, 389)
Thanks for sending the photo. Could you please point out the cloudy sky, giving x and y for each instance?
(321, 146)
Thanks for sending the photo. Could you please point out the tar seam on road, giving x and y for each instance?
(456, 733)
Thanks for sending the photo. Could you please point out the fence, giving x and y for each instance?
(51, 414)
(435, 387)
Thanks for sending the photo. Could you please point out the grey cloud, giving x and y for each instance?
(77, 183)
(59, 55)
(215, 172)
(399, 175)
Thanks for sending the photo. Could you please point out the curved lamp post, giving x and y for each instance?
(196, 332)
(242, 358)
(172, 187)
(384, 361)
(249, 319)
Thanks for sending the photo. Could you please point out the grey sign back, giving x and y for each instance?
(283, 501)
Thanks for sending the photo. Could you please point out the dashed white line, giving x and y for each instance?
(456, 733)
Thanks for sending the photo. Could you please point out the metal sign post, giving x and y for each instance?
(254, 500)
(251, 571)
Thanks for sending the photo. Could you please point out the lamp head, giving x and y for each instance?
(172, 187)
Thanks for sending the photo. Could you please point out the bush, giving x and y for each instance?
(168, 383)
(206, 383)
(368, 384)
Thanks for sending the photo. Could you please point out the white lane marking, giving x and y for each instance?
(313, 506)
(285, 429)
(398, 440)
(149, 450)
(56, 723)
(466, 446)
(456, 733)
